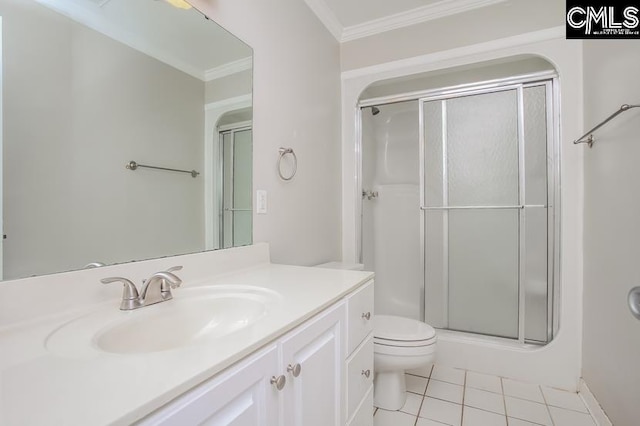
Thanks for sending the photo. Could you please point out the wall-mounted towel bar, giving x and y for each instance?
(590, 139)
(132, 165)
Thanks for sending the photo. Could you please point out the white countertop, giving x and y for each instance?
(39, 387)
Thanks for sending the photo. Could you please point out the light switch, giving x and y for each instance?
(261, 201)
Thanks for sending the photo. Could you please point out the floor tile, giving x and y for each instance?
(562, 417)
(484, 400)
(428, 422)
(446, 391)
(393, 418)
(527, 410)
(448, 374)
(474, 417)
(522, 390)
(441, 411)
(416, 384)
(564, 399)
(484, 382)
(517, 422)
(423, 371)
(412, 404)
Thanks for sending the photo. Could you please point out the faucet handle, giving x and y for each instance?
(174, 268)
(130, 293)
(169, 278)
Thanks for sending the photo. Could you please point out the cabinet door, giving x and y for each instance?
(314, 397)
(240, 396)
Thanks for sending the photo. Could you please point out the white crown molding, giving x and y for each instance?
(503, 43)
(414, 16)
(326, 16)
(228, 69)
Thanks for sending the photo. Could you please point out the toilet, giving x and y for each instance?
(399, 344)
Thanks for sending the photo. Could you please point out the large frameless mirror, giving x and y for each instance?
(114, 117)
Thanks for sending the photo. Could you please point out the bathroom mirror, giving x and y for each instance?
(88, 88)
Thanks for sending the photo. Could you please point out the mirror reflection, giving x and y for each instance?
(89, 86)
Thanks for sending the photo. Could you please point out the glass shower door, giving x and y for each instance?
(236, 212)
(483, 232)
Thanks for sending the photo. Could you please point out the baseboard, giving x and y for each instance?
(593, 405)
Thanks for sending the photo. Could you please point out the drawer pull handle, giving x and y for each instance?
(278, 382)
(366, 373)
(367, 316)
(294, 369)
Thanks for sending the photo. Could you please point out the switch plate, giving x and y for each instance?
(261, 201)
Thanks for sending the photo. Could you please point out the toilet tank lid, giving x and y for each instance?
(398, 328)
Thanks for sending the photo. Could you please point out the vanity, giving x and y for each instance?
(243, 341)
(137, 117)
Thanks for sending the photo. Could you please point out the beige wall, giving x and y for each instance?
(296, 104)
(479, 25)
(611, 349)
(76, 109)
(229, 86)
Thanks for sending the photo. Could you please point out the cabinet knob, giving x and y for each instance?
(367, 316)
(294, 369)
(366, 373)
(278, 382)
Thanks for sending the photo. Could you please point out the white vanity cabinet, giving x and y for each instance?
(313, 357)
(240, 396)
(307, 377)
(359, 363)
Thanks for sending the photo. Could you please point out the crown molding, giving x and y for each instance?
(229, 68)
(399, 20)
(327, 17)
(414, 16)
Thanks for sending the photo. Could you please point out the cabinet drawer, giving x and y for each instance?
(364, 415)
(359, 315)
(359, 375)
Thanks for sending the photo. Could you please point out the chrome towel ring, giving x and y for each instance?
(283, 152)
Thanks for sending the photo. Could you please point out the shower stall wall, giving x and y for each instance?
(458, 208)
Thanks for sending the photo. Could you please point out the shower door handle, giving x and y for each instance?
(634, 302)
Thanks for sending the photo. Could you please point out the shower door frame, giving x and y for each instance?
(548, 78)
(229, 129)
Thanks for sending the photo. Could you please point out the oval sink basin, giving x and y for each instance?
(193, 316)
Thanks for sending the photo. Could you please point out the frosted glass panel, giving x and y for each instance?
(482, 149)
(483, 271)
(242, 160)
(535, 139)
(536, 273)
(236, 229)
(436, 269)
(227, 190)
(433, 122)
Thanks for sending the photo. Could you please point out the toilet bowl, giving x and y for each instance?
(399, 344)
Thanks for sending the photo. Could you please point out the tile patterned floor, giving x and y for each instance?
(447, 396)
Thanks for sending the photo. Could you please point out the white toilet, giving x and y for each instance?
(399, 344)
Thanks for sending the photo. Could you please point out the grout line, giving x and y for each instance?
(424, 395)
(546, 404)
(464, 393)
(504, 401)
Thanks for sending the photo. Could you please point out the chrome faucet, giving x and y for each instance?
(157, 288)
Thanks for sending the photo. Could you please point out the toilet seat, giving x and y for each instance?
(396, 331)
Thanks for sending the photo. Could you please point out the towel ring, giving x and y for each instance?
(283, 152)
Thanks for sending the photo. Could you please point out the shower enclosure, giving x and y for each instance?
(458, 208)
(234, 190)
